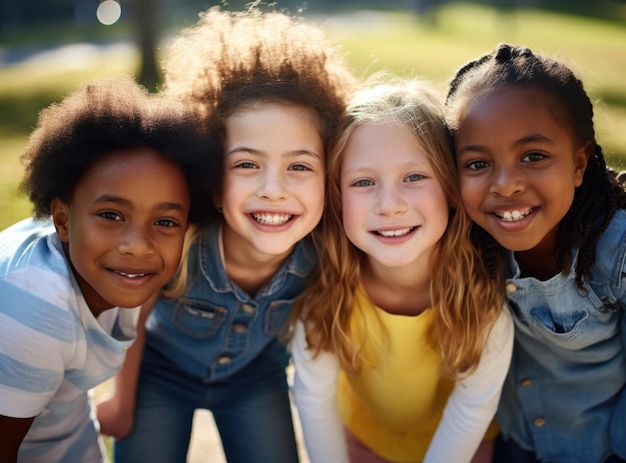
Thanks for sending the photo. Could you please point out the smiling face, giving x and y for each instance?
(273, 190)
(394, 208)
(123, 231)
(518, 167)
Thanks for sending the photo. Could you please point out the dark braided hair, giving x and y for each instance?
(585, 222)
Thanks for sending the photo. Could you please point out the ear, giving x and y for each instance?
(581, 158)
(217, 202)
(61, 218)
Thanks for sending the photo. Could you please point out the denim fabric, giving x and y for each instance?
(251, 410)
(507, 451)
(568, 369)
(215, 329)
(216, 347)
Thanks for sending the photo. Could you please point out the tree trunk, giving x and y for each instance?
(147, 21)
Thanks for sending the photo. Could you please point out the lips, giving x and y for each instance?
(514, 215)
(265, 218)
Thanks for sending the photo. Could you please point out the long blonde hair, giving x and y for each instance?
(467, 297)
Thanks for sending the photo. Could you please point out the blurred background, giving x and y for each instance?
(48, 47)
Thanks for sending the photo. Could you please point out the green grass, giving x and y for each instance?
(399, 42)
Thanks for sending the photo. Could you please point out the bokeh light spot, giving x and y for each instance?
(109, 11)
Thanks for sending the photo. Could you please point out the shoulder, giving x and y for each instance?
(610, 259)
(35, 282)
(501, 333)
(303, 258)
(32, 259)
(22, 239)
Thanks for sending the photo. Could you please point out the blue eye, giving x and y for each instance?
(414, 178)
(363, 182)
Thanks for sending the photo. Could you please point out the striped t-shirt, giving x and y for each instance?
(53, 350)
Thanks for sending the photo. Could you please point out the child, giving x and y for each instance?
(534, 179)
(402, 337)
(114, 176)
(272, 89)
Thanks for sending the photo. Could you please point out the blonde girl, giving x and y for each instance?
(401, 343)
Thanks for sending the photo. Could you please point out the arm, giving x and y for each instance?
(473, 402)
(116, 411)
(315, 396)
(12, 432)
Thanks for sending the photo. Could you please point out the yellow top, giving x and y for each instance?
(396, 402)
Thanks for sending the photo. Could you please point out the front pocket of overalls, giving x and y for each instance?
(276, 317)
(198, 319)
(560, 324)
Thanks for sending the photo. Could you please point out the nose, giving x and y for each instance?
(136, 241)
(506, 182)
(390, 201)
(272, 186)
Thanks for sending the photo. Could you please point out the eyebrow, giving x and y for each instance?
(165, 206)
(532, 138)
(293, 153)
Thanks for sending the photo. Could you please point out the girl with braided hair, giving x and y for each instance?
(535, 182)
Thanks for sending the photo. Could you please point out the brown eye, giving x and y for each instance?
(534, 157)
(477, 165)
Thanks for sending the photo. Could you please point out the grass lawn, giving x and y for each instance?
(374, 41)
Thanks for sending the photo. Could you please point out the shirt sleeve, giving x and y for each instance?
(315, 396)
(474, 400)
(33, 351)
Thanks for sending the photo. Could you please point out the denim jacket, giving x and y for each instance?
(215, 329)
(569, 368)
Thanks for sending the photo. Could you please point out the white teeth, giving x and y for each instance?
(513, 216)
(272, 219)
(131, 275)
(393, 233)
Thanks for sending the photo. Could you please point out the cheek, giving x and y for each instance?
(469, 191)
(349, 216)
(318, 195)
(172, 254)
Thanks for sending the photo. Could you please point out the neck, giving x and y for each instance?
(402, 291)
(244, 265)
(540, 261)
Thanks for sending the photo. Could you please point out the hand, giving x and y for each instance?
(115, 420)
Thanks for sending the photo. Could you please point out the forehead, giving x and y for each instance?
(385, 144)
(516, 104)
(134, 158)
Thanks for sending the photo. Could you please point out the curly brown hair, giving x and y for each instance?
(106, 115)
(232, 61)
(229, 61)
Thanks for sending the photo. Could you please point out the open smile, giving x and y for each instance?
(395, 233)
(265, 218)
(514, 215)
(131, 275)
